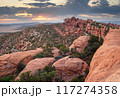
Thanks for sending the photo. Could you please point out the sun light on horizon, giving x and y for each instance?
(25, 14)
(41, 18)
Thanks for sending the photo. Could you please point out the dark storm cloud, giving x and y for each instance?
(11, 10)
(41, 4)
(95, 2)
(104, 7)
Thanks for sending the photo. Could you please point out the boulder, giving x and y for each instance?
(9, 62)
(105, 64)
(36, 64)
(68, 68)
(80, 43)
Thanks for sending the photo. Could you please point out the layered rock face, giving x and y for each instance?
(36, 64)
(9, 62)
(105, 64)
(68, 68)
(80, 43)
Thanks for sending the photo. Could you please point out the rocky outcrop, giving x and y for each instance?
(105, 64)
(80, 43)
(68, 68)
(9, 62)
(36, 64)
(89, 26)
(55, 52)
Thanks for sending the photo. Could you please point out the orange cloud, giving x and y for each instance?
(7, 19)
(41, 18)
(25, 14)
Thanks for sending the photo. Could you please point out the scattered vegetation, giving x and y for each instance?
(21, 66)
(47, 52)
(93, 44)
(45, 75)
(63, 49)
(9, 78)
(80, 78)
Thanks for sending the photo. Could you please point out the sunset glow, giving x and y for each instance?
(7, 19)
(24, 14)
(58, 10)
(41, 18)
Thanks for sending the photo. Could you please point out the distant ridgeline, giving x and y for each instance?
(89, 26)
(53, 34)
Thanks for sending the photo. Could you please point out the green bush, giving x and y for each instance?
(9, 78)
(47, 52)
(58, 46)
(93, 39)
(21, 66)
(80, 78)
(93, 44)
(39, 55)
(63, 49)
(59, 80)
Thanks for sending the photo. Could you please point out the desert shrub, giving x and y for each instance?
(47, 52)
(93, 39)
(58, 46)
(59, 80)
(63, 49)
(38, 56)
(58, 57)
(8, 78)
(45, 75)
(75, 55)
(93, 44)
(80, 78)
(21, 66)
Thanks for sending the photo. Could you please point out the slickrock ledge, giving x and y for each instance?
(9, 62)
(105, 64)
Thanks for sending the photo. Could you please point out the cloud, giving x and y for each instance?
(95, 16)
(42, 0)
(42, 5)
(11, 10)
(92, 3)
(25, 14)
(50, 9)
(114, 2)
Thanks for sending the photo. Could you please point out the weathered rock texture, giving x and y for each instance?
(80, 43)
(9, 62)
(105, 64)
(68, 68)
(36, 64)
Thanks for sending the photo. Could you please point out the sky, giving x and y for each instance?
(22, 11)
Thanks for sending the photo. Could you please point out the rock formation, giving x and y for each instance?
(68, 68)
(55, 52)
(9, 62)
(105, 64)
(36, 64)
(80, 43)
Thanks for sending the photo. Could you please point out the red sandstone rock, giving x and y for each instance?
(70, 68)
(105, 64)
(80, 43)
(55, 52)
(36, 64)
(9, 62)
